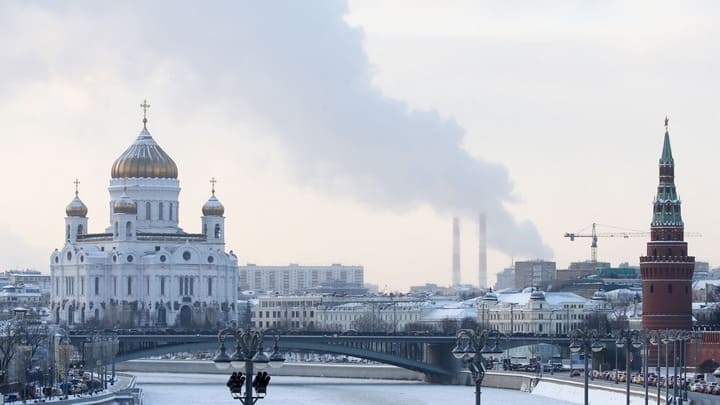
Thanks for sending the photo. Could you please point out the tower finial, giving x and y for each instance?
(145, 107)
(667, 120)
(213, 181)
(77, 183)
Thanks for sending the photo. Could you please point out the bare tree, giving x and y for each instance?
(17, 333)
(370, 323)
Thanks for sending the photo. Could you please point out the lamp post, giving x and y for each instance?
(469, 346)
(248, 354)
(588, 342)
(627, 339)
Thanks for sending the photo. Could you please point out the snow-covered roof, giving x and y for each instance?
(552, 298)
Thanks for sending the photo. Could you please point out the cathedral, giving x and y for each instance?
(143, 270)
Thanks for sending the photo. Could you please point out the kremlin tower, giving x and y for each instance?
(667, 270)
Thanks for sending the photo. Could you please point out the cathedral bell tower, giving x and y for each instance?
(76, 222)
(667, 269)
(213, 221)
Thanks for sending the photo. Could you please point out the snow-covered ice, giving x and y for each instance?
(200, 389)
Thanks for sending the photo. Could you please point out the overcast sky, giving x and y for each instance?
(353, 132)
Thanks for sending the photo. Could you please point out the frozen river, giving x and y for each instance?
(200, 389)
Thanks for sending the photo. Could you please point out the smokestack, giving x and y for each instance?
(456, 252)
(482, 251)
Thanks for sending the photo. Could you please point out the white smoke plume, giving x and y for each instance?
(295, 64)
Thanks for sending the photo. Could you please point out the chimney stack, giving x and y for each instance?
(456, 252)
(482, 251)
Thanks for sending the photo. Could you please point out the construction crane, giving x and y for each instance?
(619, 234)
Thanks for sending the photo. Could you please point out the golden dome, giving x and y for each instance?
(213, 207)
(76, 208)
(125, 205)
(144, 158)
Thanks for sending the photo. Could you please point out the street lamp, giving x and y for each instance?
(587, 342)
(627, 339)
(248, 354)
(469, 346)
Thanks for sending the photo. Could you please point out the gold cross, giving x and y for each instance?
(145, 107)
(77, 183)
(213, 181)
(666, 120)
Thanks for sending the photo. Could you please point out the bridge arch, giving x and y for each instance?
(317, 347)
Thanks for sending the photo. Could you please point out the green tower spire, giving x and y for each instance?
(666, 156)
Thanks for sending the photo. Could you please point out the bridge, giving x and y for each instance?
(430, 355)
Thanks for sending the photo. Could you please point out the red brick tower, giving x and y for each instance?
(667, 269)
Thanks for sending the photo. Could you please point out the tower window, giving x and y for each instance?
(170, 212)
(162, 285)
(80, 229)
(129, 286)
(669, 252)
(669, 288)
(160, 211)
(97, 285)
(148, 211)
(217, 231)
(67, 233)
(655, 252)
(652, 288)
(128, 229)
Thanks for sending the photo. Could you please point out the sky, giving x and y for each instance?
(352, 132)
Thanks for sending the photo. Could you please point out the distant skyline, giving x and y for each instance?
(353, 132)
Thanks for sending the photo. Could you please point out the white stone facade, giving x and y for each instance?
(539, 312)
(144, 270)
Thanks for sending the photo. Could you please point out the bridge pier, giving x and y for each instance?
(440, 354)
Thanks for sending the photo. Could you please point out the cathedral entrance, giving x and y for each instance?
(162, 316)
(186, 317)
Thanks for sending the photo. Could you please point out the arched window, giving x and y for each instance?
(128, 229)
(654, 252)
(669, 252)
(205, 230)
(80, 229)
(669, 288)
(67, 233)
(160, 211)
(217, 231)
(652, 288)
(117, 231)
(170, 213)
(148, 211)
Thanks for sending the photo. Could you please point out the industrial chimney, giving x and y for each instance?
(456, 252)
(482, 251)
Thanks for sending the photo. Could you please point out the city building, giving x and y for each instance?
(539, 274)
(28, 276)
(285, 312)
(666, 268)
(143, 269)
(20, 295)
(701, 271)
(297, 279)
(578, 270)
(373, 314)
(505, 279)
(535, 311)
